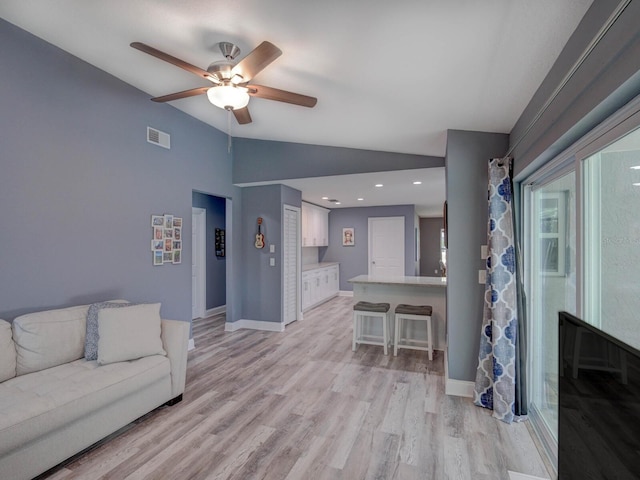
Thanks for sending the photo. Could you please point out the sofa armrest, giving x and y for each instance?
(175, 339)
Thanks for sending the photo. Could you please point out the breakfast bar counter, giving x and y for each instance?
(409, 290)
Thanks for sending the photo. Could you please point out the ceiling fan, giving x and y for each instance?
(231, 89)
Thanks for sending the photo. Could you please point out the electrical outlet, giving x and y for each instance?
(272, 262)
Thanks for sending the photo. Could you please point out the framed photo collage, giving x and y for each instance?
(166, 240)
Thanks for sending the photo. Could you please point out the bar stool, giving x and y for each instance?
(363, 311)
(420, 313)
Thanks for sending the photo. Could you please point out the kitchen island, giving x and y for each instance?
(410, 290)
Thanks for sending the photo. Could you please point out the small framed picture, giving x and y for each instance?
(157, 220)
(158, 256)
(157, 244)
(167, 257)
(158, 233)
(168, 233)
(177, 256)
(177, 245)
(168, 221)
(348, 237)
(177, 233)
(168, 245)
(177, 222)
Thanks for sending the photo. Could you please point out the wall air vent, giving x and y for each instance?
(158, 138)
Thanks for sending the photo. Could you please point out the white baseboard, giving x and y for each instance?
(459, 388)
(253, 325)
(216, 311)
(192, 345)
(345, 293)
(522, 476)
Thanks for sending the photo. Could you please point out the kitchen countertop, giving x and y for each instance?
(400, 280)
(314, 266)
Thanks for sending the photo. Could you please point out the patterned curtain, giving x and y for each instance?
(499, 379)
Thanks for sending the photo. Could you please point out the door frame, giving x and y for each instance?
(199, 218)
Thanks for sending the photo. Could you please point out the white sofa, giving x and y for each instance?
(54, 403)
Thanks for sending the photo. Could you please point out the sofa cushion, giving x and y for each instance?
(92, 335)
(7, 352)
(35, 404)
(49, 338)
(129, 332)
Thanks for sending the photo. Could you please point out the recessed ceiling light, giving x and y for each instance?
(325, 198)
(636, 184)
(637, 167)
(360, 199)
(379, 185)
(417, 182)
(337, 203)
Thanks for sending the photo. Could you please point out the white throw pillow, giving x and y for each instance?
(129, 333)
(49, 338)
(7, 352)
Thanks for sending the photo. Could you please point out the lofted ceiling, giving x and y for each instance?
(389, 76)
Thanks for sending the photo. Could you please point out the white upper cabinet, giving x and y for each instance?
(315, 226)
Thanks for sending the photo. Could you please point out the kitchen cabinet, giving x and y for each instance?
(315, 226)
(319, 285)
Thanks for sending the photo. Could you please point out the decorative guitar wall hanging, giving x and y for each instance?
(259, 235)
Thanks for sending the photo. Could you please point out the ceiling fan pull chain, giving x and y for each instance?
(228, 131)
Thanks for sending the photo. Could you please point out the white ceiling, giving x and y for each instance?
(389, 76)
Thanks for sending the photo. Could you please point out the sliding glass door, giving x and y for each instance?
(581, 229)
(552, 288)
(612, 238)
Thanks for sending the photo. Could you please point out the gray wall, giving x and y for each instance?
(430, 246)
(216, 266)
(607, 80)
(262, 289)
(262, 160)
(467, 159)
(79, 184)
(354, 260)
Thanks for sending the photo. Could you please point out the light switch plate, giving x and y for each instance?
(482, 277)
(484, 253)
(272, 248)
(272, 262)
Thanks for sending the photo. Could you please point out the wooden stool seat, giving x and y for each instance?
(421, 313)
(374, 311)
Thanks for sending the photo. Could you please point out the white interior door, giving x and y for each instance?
(386, 246)
(198, 262)
(291, 264)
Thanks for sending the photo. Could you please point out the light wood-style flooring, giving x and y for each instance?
(301, 405)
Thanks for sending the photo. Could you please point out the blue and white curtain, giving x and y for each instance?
(499, 378)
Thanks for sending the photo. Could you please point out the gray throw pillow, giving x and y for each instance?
(92, 336)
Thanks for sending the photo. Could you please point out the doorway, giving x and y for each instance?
(210, 239)
(386, 246)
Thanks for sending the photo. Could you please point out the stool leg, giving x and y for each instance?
(385, 333)
(355, 331)
(429, 338)
(396, 320)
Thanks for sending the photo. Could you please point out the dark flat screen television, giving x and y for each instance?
(599, 404)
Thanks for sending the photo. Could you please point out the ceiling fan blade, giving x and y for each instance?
(173, 60)
(270, 93)
(256, 61)
(186, 93)
(242, 115)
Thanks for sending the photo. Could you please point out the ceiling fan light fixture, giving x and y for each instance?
(228, 97)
